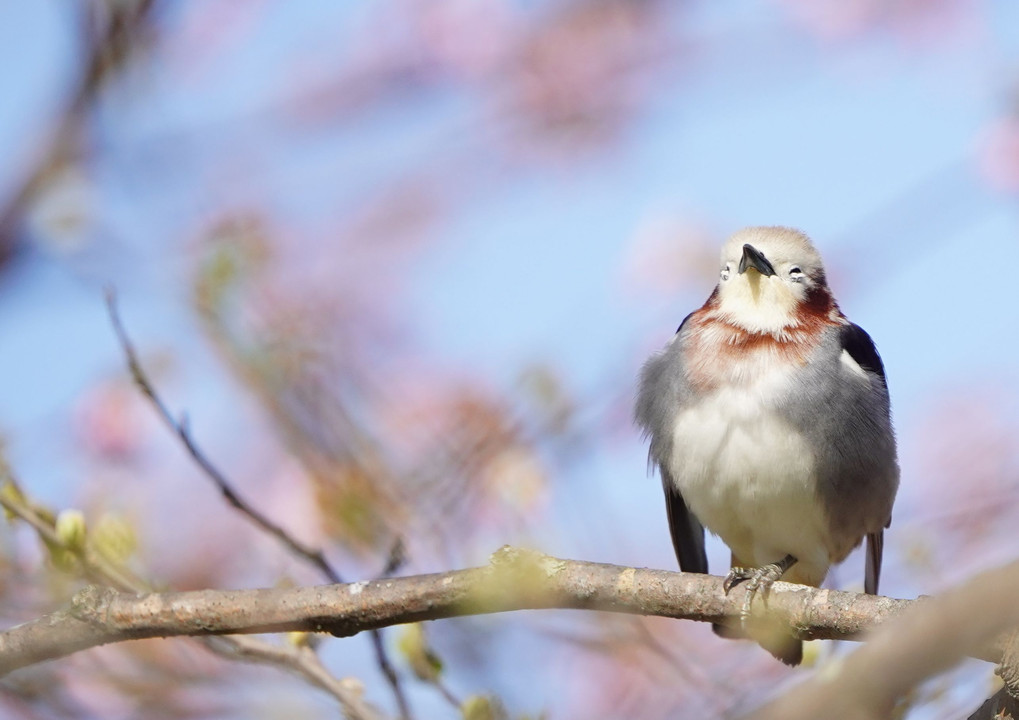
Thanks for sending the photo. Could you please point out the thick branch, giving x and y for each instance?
(515, 580)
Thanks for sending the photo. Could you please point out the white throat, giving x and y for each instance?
(758, 303)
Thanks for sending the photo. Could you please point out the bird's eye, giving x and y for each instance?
(795, 274)
(725, 273)
(795, 271)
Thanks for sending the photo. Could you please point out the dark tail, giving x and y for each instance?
(781, 645)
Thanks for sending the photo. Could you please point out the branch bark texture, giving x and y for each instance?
(515, 580)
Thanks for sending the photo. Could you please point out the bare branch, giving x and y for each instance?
(515, 580)
(111, 34)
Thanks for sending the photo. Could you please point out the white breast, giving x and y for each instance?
(748, 476)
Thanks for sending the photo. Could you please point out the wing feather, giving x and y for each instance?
(687, 532)
(875, 549)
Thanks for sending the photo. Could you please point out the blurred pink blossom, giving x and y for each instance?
(667, 253)
(662, 668)
(916, 21)
(969, 464)
(467, 38)
(208, 32)
(998, 154)
(582, 72)
(107, 421)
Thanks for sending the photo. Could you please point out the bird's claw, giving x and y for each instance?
(736, 576)
(758, 580)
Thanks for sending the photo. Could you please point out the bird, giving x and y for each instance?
(769, 421)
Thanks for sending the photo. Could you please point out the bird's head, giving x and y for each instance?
(771, 279)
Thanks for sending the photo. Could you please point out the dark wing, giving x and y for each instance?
(860, 347)
(687, 532)
(875, 548)
(683, 323)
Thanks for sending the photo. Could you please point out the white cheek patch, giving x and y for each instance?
(852, 365)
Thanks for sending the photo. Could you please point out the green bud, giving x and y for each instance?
(70, 529)
(482, 707)
(413, 644)
(114, 538)
(11, 495)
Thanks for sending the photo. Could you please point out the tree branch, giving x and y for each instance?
(111, 33)
(515, 580)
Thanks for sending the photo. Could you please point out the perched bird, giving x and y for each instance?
(769, 422)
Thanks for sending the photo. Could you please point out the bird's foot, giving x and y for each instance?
(736, 576)
(759, 580)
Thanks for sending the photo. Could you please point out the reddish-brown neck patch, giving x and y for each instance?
(819, 303)
(718, 351)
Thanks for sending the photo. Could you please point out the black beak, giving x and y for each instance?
(753, 258)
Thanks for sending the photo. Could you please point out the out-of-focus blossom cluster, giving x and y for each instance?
(668, 254)
(584, 71)
(970, 467)
(109, 421)
(388, 443)
(998, 157)
(564, 76)
(915, 21)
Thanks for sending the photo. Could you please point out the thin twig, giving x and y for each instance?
(181, 430)
(314, 556)
(306, 663)
(446, 693)
(397, 557)
(94, 566)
